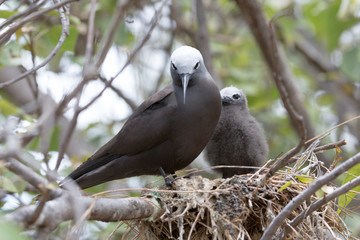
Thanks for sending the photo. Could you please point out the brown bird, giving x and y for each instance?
(166, 132)
(238, 139)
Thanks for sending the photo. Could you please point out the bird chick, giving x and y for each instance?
(238, 139)
(166, 132)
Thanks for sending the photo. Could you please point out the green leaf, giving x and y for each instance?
(345, 199)
(288, 184)
(7, 108)
(10, 54)
(350, 63)
(11, 182)
(46, 43)
(328, 27)
(122, 36)
(55, 139)
(33, 144)
(6, 14)
(8, 185)
(9, 230)
(305, 179)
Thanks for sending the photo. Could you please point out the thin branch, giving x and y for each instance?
(4, 36)
(89, 47)
(69, 132)
(31, 9)
(331, 129)
(203, 42)
(330, 146)
(132, 55)
(255, 18)
(287, 102)
(40, 206)
(167, 50)
(64, 34)
(343, 142)
(316, 205)
(147, 36)
(298, 200)
(322, 148)
(25, 173)
(90, 36)
(180, 27)
(130, 102)
(109, 36)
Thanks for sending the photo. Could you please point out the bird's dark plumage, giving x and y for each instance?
(238, 139)
(168, 130)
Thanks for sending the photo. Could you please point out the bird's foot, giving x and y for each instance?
(168, 180)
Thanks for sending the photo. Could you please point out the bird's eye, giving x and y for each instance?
(236, 96)
(197, 65)
(173, 66)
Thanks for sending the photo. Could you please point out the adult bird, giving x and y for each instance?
(166, 132)
(238, 139)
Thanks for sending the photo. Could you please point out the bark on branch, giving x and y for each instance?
(255, 18)
(68, 206)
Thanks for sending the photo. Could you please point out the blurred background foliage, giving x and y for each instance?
(320, 39)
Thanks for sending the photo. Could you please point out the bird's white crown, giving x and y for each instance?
(185, 59)
(230, 91)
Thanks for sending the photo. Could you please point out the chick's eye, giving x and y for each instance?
(236, 96)
(173, 66)
(197, 65)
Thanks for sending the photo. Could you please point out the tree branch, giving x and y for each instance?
(262, 33)
(298, 200)
(25, 173)
(33, 7)
(102, 209)
(203, 43)
(316, 205)
(109, 36)
(64, 34)
(6, 35)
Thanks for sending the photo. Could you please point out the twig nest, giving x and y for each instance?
(234, 208)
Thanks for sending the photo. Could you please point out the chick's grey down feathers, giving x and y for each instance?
(168, 130)
(238, 139)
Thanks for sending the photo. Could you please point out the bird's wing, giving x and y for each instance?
(148, 126)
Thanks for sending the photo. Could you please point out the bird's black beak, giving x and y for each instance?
(226, 100)
(185, 80)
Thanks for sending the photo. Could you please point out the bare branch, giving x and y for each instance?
(25, 173)
(5, 36)
(109, 36)
(132, 55)
(90, 36)
(69, 132)
(287, 103)
(64, 34)
(322, 148)
(298, 200)
(316, 205)
(31, 9)
(330, 146)
(167, 49)
(102, 209)
(130, 102)
(203, 43)
(255, 18)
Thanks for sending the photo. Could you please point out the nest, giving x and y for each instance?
(240, 207)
